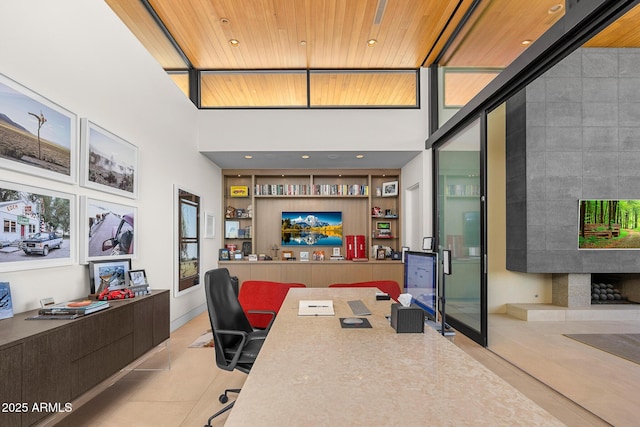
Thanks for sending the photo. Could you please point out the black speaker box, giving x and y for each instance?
(407, 319)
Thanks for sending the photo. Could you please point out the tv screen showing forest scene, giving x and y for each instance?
(609, 224)
(311, 228)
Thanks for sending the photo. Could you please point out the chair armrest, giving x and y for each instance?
(272, 313)
(238, 351)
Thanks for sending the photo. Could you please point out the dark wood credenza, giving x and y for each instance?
(48, 363)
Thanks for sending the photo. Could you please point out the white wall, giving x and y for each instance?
(417, 200)
(78, 54)
(349, 129)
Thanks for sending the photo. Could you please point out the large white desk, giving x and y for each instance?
(312, 372)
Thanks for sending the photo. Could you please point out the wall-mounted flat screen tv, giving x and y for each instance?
(609, 224)
(311, 228)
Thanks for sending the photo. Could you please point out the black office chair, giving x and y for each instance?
(236, 343)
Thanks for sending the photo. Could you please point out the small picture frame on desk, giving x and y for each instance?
(223, 255)
(137, 277)
(286, 255)
(304, 256)
(381, 253)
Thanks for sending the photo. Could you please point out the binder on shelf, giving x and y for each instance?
(351, 246)
(360, 247)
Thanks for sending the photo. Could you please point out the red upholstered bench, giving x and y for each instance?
(390, 287)
(263, 295)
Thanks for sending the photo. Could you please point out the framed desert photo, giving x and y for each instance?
(108, 230)
(37, 136)
(390, 189)
(187, 235)
(39, 227)
(109, 163)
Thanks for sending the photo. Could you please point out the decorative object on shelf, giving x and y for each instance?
(286, 255)
(240, 213)
(249, 211)
(109, 274)
(275, 249)
(108, 230)
(253, 257)
(46, 216)
(231, 229)
(109, 163)
(336, 252)
(39, 137)
(223, 254)
(231, 247)
(390, 213)
(383, 225)
(304, 256)
(246, 248)
(389, 188)
(237, 255)
(230, 212)
(378, 191)
(376, 212)
(318, 255)
(381, 253)
(6, 305)
(239, 191)
(187, 241)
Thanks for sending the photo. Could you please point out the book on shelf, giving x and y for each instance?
(6, 306)
(74, 307)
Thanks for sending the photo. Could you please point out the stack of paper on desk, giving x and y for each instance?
(315, 308)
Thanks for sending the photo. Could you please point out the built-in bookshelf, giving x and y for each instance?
(255, 199)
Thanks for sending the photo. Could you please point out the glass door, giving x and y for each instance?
(460, 228)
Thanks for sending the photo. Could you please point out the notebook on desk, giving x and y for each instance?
(315, 308)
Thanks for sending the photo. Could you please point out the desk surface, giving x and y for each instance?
(312, 372)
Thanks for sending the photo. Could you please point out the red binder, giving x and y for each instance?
(360, 247)
(351, 247)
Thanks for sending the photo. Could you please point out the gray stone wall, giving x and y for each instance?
(574, 133)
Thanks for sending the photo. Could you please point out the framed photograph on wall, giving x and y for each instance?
(390, 189)
(187, 240)
(108, 230)
(37, 136)
(109, 163)
(113, 273)
(39, 227)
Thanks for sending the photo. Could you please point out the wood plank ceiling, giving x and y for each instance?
(256, 53)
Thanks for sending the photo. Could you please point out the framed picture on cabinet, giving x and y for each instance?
(109, 163)
(389, 188)
(37, 137)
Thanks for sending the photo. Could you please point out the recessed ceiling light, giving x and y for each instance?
(359, 156)
(305, 156)
(526, 42)
(234, 42)
(555, 8)
(248, 156)
(371, 42)
(332, 156)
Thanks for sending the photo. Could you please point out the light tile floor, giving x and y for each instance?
(187, 394)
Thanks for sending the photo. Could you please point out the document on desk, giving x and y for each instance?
(315, 308)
